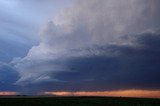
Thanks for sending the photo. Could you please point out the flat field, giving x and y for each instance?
(76, 101)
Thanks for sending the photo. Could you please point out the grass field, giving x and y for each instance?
(77, 101)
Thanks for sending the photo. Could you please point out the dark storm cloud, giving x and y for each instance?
(131, 68)
(119, 67)
(95, 45)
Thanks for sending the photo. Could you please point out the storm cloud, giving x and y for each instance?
(96, 45)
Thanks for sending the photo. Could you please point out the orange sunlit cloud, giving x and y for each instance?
(122, 93)
(8, 93)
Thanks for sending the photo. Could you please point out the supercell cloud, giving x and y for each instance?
(95, 45)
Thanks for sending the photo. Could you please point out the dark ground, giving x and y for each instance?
(76, 101)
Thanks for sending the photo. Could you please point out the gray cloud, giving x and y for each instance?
(114, 67)
(96, 43)
(106, 20)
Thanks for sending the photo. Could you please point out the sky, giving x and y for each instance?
(80, 47)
